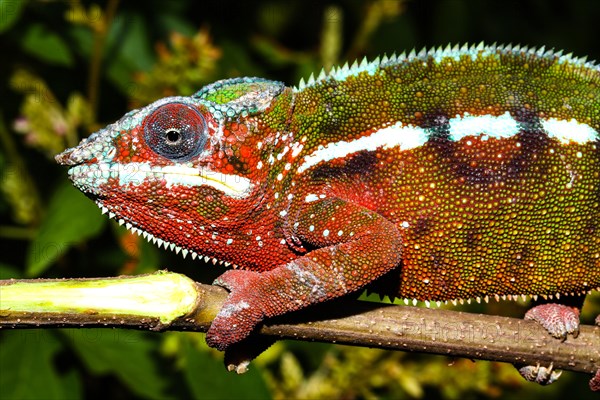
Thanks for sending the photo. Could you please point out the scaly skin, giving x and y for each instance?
(469, 173)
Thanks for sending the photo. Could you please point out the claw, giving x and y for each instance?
(539, 374)
(240, 368)
(239, 355)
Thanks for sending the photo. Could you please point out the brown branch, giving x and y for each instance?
(439, 331)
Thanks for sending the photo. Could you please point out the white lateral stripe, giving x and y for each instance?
(406, 137)
(569, 131)
(501, 126)
(505, 126)
(310, 198)
(409, 137)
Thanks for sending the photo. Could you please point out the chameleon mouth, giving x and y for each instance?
(160, 242)
(232, 185)
(92, 176)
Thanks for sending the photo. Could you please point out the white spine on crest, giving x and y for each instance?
(440, 55)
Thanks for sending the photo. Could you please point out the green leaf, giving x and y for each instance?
(207, 378)
(47, 46)
(173, 23)
(237, 59)
(130, 355)
(71, 219)
(82, 40)
(129, 41)
(26, 362)
(10, 11)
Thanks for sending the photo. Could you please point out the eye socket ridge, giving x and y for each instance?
(176, 131)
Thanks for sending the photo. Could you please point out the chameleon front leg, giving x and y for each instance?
(352, 247)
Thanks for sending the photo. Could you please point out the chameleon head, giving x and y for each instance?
(174, 167)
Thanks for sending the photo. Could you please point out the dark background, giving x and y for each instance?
(68, 68)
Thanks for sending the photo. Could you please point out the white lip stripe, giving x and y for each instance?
(501, 126)
(231, 185)
(405, 137)
(137, 173)
(569, 131)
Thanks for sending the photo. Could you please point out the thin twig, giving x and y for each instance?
(169, 301)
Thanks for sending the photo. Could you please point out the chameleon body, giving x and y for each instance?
(458, 173)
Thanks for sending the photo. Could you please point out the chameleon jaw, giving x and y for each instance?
(161, 242)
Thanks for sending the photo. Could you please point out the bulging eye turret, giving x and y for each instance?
(176, 131)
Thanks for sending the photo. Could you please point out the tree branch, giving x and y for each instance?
(170, 301)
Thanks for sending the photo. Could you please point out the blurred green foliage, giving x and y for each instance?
(71, 67)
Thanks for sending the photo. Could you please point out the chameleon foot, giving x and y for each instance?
(559, 320)
(540, 375)
(240, 313)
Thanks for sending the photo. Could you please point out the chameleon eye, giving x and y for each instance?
(175, 131)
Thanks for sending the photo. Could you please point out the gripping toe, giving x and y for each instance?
(539, 374)
(559, 320)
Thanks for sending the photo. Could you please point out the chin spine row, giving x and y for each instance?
(162, 243)
(486, 299)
